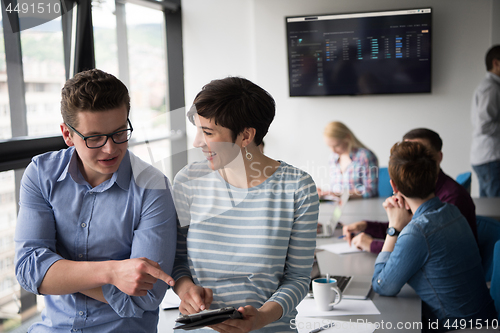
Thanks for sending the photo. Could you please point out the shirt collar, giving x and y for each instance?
(431, 204)
(71, 168)
(352, 153)
(124, 173)
(493, 76)
(121, 177)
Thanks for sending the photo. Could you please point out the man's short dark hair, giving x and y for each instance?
(413, 169)
(236, 103)
(493, 53)
(94, 91)
(425, 133)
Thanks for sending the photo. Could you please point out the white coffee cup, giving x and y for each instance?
(325, 292)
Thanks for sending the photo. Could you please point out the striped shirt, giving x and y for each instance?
(249, 246)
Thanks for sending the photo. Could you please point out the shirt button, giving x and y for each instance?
(81, 313)
(379, 281)
(80, 256)
(84, 225)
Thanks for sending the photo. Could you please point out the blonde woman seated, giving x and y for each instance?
(353, 167)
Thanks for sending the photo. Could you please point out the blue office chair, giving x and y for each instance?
(495, 277)
(488, 234)
(465, 179)
(384, 186)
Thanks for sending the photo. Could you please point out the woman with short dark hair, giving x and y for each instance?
(248, 222)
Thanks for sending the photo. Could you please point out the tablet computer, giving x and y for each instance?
(207, 317)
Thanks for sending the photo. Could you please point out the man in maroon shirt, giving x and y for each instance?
(368, 235)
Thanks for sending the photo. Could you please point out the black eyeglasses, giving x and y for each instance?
(99, 140)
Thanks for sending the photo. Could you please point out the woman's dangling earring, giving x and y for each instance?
(248, 155)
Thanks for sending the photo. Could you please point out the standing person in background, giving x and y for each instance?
(485, 117)
(369, 234)
(353, 167)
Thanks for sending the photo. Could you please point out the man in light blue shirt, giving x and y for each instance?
(97, 226)
(485, 117)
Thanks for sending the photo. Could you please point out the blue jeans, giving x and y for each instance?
(488, 175)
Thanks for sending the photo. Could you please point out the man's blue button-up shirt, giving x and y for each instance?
(61, 216)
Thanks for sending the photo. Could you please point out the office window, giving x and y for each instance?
(148, 84)
(105, 48)
(129, 42)
(9, 288)
(5, 131)
(44, 76)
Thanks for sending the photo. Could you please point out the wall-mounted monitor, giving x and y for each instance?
(386, 52)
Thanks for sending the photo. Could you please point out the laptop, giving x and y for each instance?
(329, 215)
(352, 287)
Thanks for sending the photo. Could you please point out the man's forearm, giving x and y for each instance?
(68, 277)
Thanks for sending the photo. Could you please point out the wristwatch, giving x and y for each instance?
(392, 231)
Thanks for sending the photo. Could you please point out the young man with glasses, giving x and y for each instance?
(96, 230)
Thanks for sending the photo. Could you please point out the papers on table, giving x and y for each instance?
(340, 248)
(170, 301)
(347, 307)
(306, 325)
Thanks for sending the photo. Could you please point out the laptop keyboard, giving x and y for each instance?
(342, 281)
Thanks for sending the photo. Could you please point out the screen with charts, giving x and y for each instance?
(360, 53)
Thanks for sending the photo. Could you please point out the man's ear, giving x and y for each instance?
(496, 66)
(66, 133)
(496, 63)
(440, 157)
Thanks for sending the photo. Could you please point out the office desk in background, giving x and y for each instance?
(371, 209)
(489, 207)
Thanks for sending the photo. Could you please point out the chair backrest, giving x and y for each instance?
(488, 234)
(495, 277)
(465, 179)
(384, 186)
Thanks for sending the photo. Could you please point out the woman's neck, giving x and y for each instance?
(244, 173)
(415, 203)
